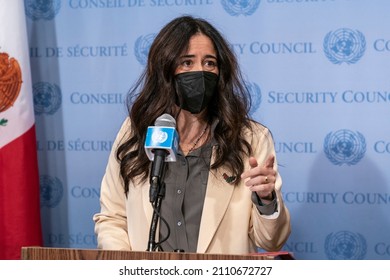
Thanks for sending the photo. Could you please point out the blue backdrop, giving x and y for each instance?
(317, 70)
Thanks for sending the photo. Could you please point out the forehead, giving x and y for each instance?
(201, 42)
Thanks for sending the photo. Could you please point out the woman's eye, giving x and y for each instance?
(186, 63)
(210, 64)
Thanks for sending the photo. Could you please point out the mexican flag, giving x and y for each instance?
(20, 222)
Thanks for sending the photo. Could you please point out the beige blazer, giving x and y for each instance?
(230, 223)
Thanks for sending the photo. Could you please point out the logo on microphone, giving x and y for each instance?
(159, 136)
(344, 45)
(344, 147)
(345, 245)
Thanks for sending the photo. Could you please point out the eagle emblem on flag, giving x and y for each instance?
(10, 82)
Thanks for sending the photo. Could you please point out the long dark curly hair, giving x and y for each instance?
(155, 94)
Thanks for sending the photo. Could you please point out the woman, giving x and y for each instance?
(223, 194)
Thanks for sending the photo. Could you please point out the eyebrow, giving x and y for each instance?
(192, 55)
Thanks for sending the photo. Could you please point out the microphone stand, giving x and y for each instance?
(156, 215)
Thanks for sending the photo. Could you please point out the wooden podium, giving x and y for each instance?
(45, 253)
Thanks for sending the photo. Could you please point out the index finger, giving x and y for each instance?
(270, 161)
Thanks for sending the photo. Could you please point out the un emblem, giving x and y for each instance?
(38, 9)
(255, 95)
(344, 45)
(159, 136)
(47, 98)
(345, 245)
(344, 147)
(142, 46)
(241, 7)
(51, 190)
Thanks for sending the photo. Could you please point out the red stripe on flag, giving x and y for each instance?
(20, 220)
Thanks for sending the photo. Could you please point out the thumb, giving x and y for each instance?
(270, 161)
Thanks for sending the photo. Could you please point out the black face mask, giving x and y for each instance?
(196, 88)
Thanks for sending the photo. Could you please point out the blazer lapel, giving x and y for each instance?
(147, 205)
(218, 195)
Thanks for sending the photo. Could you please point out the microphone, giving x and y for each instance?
(161, 145)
